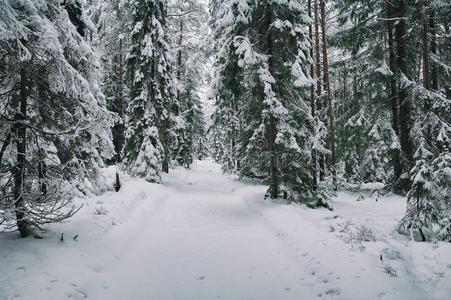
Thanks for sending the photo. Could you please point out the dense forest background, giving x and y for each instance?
(309, 96)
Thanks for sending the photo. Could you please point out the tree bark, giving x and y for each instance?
(319, 105)
(4, 146)
(330, 107)
(393, 97)
(42, 172)
(312, 100)
(272, 127)
(434, 74)
(119, 130)
(179, 57)
(120, 81)
(405, 105)
(21, 145)
(425, 49)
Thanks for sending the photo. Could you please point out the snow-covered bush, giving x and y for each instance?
(428, 201)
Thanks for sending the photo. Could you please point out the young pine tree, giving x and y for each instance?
(150, 113)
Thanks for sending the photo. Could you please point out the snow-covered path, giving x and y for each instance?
(203, 236)
(214, 245)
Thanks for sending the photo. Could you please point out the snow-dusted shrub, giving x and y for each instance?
(389, 270)
(100, 210)
(364, 233)
(428, 210)
(353, 234)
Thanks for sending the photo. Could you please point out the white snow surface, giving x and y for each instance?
(202, 235)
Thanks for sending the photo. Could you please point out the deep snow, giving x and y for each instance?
(203, 235)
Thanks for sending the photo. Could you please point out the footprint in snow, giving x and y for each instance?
(77, 294)
(201, 277)
(333, 292)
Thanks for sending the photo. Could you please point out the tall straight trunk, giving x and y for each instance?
(118, 130)
(21, 145)
(425, 49)
(317, 57)
(4, 146)
(120, 79)
(330, 107)
(312, 99)
(272, 126)
(319, 105)
(42, 172)
(434, 74)
(393, 97)
(179, 57)
(165, 125)
(405, 106)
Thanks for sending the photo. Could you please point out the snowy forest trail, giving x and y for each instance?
(202, 242)
(203, 235)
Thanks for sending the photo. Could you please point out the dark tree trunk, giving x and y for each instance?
(425, 49)
(117, 184)
(20, 168)
(330, 107)
(312, 101)
(319, 105)
(120, 77)
(405, 105)
(119, 129)
(165, 165)
(42, 171)
(4, 146)
(272, 127)
(393, 97)
(179, 57)
(434, 75)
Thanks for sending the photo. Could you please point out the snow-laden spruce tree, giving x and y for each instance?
(262, 95)
(372, 167)
(281, 85)
(428, 200)
(111, 19)
(187, 27)
(150, 114)
(55, 126)
(230, 24)
(366, 76)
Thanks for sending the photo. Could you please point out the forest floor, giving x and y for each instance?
(203, 235)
